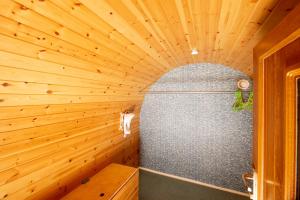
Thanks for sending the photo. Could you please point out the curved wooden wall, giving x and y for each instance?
(69, 67)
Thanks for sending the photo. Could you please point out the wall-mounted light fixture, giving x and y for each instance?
(243, 84)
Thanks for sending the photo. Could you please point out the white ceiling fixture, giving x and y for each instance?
(194, 52)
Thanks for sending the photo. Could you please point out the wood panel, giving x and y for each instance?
(279, 123)
(149, 37)
(68, 68)
(30, 152)
(277, 67)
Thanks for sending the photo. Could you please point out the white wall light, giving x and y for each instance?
(243, 84)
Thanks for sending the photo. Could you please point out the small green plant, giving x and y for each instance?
(242, 104)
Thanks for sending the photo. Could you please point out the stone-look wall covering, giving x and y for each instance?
(197, 136)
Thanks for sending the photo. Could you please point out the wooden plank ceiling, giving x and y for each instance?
(69, 67)
(139, 40)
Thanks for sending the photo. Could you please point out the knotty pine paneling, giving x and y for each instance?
(68, 68)
(40, 149)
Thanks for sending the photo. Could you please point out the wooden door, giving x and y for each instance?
(277, 66)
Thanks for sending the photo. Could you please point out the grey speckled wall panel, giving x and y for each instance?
(197, 136)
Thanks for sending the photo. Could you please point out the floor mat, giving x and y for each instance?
(158, 187)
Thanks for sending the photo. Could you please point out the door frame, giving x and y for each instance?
(287, 31)
(290, 170)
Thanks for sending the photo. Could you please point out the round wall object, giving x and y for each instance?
(243, 84)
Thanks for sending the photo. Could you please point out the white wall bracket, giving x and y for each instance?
(125, 123)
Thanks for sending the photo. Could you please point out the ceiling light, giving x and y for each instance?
(194, 52)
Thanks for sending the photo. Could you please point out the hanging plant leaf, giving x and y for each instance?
(241, 104)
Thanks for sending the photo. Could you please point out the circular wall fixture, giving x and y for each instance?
(243, 84)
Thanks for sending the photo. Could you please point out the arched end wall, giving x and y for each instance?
(195, 135)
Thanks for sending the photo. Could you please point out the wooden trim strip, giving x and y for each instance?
(291, 132)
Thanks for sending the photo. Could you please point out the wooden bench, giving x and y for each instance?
(115, 182)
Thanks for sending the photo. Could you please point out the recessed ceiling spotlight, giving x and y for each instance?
(194, 52)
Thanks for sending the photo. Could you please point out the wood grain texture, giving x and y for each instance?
(276, 69)
(280, 121)
(68, 68)
(114, 182)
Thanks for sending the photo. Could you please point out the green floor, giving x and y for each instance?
(158, 187)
